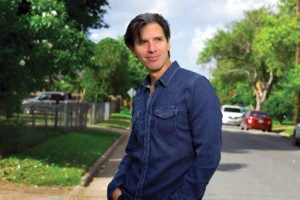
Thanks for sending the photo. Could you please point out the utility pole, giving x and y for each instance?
(296, 98)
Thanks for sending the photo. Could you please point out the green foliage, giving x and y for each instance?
(274, 43)
(109, 75)
(125, 111)
(38, 46)
(279, 105)
(13, 42)
(292, 80)
(137, 72)
(287, 7)
(257, 49)
(87, 14)
(242, 95)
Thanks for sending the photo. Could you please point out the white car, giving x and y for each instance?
(232, 114)
(296, 135)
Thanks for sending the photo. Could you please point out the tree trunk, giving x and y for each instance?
(296, 108)
(262, 91)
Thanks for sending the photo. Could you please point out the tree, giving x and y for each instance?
(137, 72)
(12, 37)
(241, 95)
(38, 44)
(279, 105)
(87, 13)
(237, 52)
(280, 47)
(109, 75)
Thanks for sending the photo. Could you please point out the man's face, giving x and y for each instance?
(152, 49)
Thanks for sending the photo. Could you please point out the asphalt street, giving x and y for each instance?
(256, 165)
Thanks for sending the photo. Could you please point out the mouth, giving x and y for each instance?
(152, 58)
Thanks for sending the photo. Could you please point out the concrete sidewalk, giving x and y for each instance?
(101, 173)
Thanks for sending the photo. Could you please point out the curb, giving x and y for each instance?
(88, 176)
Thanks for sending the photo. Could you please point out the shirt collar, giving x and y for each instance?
(166, 77)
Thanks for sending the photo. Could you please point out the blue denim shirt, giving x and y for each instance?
(175, 143)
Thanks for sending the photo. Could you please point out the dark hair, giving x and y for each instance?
(134, 28)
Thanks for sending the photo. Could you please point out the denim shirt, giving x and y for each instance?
(175, 144)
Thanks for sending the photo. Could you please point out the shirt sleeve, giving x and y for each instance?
(120, 176)
(206, 125)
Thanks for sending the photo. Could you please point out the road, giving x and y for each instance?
(256, 166)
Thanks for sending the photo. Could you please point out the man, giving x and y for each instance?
(175, 143)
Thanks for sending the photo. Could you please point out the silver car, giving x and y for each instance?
(296, 135)
(31, 105)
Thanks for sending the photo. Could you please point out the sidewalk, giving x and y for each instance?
(101, 173)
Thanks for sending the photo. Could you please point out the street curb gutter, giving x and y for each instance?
(88, 176)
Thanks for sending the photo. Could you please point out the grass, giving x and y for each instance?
(58, 161)
(19, 137)
(287, 127)
(61, 160)
(117, 120)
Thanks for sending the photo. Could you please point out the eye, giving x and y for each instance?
(141, 42)
(158, 39)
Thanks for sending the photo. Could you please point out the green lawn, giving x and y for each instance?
(58, 161)
(61, 160)
(287, 127)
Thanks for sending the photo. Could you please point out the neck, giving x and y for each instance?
(155, 75)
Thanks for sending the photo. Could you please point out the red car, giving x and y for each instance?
(257, 120)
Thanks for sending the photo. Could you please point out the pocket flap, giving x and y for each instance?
(165, 113)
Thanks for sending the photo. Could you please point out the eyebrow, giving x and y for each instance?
(143, 40)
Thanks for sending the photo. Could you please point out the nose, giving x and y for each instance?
(152, 46)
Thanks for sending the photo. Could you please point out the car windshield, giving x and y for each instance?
(228, 109)
(260, 114)
(44, 96)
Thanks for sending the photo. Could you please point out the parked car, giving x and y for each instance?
(257, 120)
(296, 135)
(232, 114)
(49, 97)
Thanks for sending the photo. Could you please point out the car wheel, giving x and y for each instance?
(242, 127)
(246, 127)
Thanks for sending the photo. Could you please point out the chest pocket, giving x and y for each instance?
(166, 120)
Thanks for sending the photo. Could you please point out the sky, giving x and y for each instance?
(192, 22)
